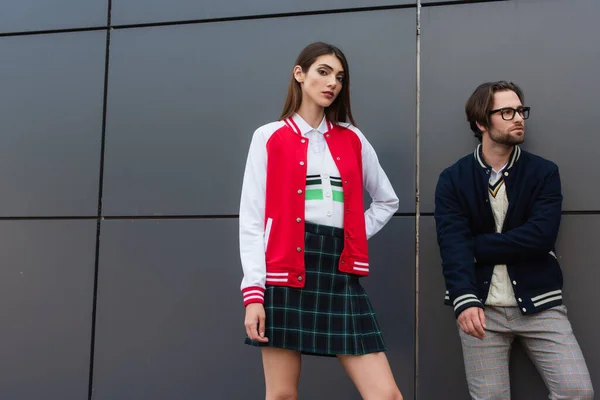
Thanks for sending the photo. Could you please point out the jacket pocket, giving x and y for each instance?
(268, 231)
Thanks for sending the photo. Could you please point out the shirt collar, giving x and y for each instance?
(500, 170)
(305, 127)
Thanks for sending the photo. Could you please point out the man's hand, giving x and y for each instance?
(472, 322)
(255, 322)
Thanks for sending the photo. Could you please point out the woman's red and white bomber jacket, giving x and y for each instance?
(273, 203)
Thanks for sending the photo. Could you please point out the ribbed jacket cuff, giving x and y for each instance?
(253, 294)
(465, 300)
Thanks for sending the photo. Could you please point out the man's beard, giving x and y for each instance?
(507, 139)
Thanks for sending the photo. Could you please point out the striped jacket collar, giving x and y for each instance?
(512, 160)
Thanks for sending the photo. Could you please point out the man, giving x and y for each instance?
(497, 215)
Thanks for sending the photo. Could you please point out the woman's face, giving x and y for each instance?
(323, 81)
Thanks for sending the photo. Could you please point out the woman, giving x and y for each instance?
(304, 231)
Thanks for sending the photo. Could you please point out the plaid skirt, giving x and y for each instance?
(331, 315)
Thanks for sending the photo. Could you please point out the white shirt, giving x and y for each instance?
(495, 175)
(252, 204)
(324, 194)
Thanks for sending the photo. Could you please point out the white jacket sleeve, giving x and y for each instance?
(384, 200)
(252, 219)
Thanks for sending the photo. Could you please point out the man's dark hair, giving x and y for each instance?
(480, 103)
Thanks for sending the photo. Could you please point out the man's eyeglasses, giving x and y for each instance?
(508, 113)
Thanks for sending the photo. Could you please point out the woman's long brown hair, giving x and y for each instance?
(339, 110)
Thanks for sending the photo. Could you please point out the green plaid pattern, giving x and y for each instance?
(332, 314)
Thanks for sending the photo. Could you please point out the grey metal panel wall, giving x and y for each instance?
(174, 149)
(575, 250)
(391, 289)
(440, 355)
(134, 12)
(46, 292)
(181, 112)
(168, 301)
(51, 113)
(441, 369)
(36, 15)
(549, 48)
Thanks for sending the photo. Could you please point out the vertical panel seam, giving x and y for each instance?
(417, 193)
(99, 211)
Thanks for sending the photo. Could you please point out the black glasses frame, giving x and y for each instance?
(523, 112)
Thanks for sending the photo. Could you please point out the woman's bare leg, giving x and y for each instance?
(372, 376)
(282, 373)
